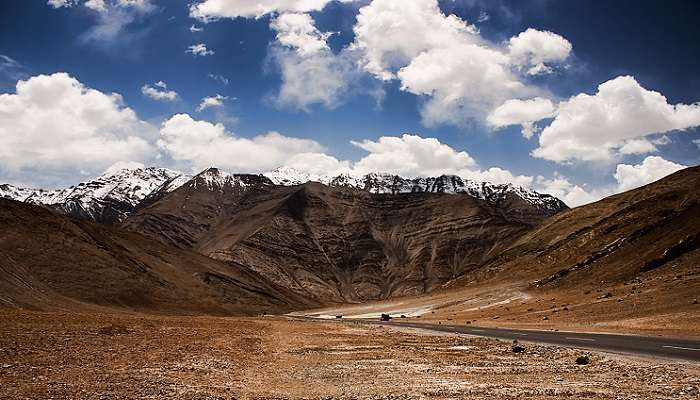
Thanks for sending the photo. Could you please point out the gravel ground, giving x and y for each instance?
(78, 356)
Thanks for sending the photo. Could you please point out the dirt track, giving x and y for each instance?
(75, 356)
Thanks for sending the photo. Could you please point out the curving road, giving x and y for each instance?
(641, 345)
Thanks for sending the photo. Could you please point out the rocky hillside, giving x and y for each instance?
(337, 243)
(52, 262)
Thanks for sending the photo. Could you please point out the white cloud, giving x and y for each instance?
(159, 92)
(54, 126)
(573, 195)
(391, 33)
(497, 175)
(522, 112)
(96, 5)
(443, 58)
(213, 9)
(120, 165)
(61, 3)
(662, 141)
(638, 146)
(211, 101)
(219, 78)
(11, 69)
(298, 32)
(199, 49)
(650, 170)
(113, 18)
(627, 177)
(697, 142)
(483, 17)
(595, 127)
(319, 164)
(200, 144)
(535, 50)
(410, 156)
(311, 73)
(462, 82)
(195, 29)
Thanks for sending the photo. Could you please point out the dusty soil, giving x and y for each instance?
(79, 356)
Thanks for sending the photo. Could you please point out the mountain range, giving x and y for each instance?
(113, 196)
(156, 240)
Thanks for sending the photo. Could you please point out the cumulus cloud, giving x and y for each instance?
(199, 49)
(207, 10)
(651, 169)
(462, 82)
(198, 145)
(444, 59)
(408, 156)
(522, 112)
(196, 29)
(211, 101)
(573, 195)
(537, 50)
(627, 177)
(411, 155)
(311, 72)
(597, 127)
(55, 126)
(391, 33)
(159, 92)
(298, 32)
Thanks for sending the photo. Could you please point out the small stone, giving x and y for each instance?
(545, 318)
(518, 349)
(583, 360)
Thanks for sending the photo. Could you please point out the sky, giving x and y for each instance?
(577, 99)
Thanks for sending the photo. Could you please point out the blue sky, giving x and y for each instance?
(118, 46)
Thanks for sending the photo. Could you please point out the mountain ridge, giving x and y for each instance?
(112, 197)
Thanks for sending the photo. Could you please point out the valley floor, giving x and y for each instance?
(124, 356)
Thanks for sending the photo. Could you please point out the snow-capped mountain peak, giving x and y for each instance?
(382, 183)
(122, 190)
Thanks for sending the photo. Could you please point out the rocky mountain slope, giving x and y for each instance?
(630, 261)
(49, 261)
(110, 198)
(334, 242)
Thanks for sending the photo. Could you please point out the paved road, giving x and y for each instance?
(642, 345)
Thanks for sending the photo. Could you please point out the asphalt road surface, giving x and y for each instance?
(641, 345)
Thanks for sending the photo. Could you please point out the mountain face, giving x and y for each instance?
(49, 261)
(374, 238)
(642, 247)
(109, 198)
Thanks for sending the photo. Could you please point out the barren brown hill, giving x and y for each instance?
(629, 262)
(49, 261)
(335, 244)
